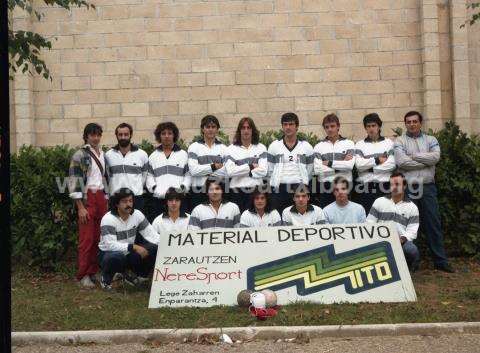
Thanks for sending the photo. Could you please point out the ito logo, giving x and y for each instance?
(318, 269)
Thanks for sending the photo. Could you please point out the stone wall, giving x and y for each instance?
(147, 61)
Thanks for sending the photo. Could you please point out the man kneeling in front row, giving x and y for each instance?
(398, 208)
(118, 253)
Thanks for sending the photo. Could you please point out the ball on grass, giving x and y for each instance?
(243, 298)
(270, 298)
(257, 299)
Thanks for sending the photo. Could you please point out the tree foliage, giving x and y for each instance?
(475, 16)
(24, 46)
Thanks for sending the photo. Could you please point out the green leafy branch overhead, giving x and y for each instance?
(24, 46)
(475, 16)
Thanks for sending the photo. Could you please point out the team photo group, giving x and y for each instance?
(248, 184)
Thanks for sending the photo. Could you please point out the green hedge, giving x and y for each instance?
(44, 226)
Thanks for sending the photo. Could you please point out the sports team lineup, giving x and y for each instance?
(289, 184)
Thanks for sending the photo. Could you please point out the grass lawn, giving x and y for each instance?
(42, 302)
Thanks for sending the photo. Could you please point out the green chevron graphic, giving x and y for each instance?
(315, 270)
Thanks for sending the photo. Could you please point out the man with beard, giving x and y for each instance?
(127, 165)
(118, 253)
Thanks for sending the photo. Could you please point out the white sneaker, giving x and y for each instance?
(86, 282)
(117, 277)
(142, 280)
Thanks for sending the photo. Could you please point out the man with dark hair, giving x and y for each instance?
(205, 159)
(416, 155)
(333, 156)
(261, 212)
(289, 162)
(375, 162)
(216, 212)
(398, 208)
(302, 213)
(118, 253)
(173, 220)
(127, 165)
(87, 184)
(342, 210)
(246, 163)
(167, 167)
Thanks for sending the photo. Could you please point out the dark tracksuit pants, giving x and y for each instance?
(112, 262)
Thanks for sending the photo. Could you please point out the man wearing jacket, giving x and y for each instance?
(246, 163)
(334, 156)
(118, 252)
(127, 165)
(87, 185)
(167, 167)
(416, 155)
(399, 209)
(206, 158)
(375, 162)
(289, 162)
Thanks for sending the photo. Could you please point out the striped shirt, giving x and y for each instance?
(129, 171)
(204, 216)
(166, 172)
(404, 214)
(416, 157)
(200, 160)
(289, 165)
(253, 219)
(237, 166)
(119, 235)
(313, 215)
(335, 154)
(164, 224)
(367, 153)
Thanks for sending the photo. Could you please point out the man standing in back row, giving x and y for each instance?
(289, 162)
(205, 159)
(375, 162)
(127, 165)
(333, 156)
(87, 185)
(416, 155)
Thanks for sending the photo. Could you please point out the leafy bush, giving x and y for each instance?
(43, 219)
(44, 225)
(271, 135)
(458, 178)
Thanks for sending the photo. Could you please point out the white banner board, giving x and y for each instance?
(321, 264)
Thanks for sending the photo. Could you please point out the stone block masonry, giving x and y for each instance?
(144, 62)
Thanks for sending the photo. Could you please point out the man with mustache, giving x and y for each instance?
(118, 252)
(127, 165)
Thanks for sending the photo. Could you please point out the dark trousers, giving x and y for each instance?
(430, 223)
(367, 193)
(241, 197)
(323, 194)
(112, 262)
(282, 196)
(139, 203)
(412, 255)
(196, 198)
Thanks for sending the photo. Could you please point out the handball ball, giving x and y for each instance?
(258, 300)
(270, 297)
(243, 298)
